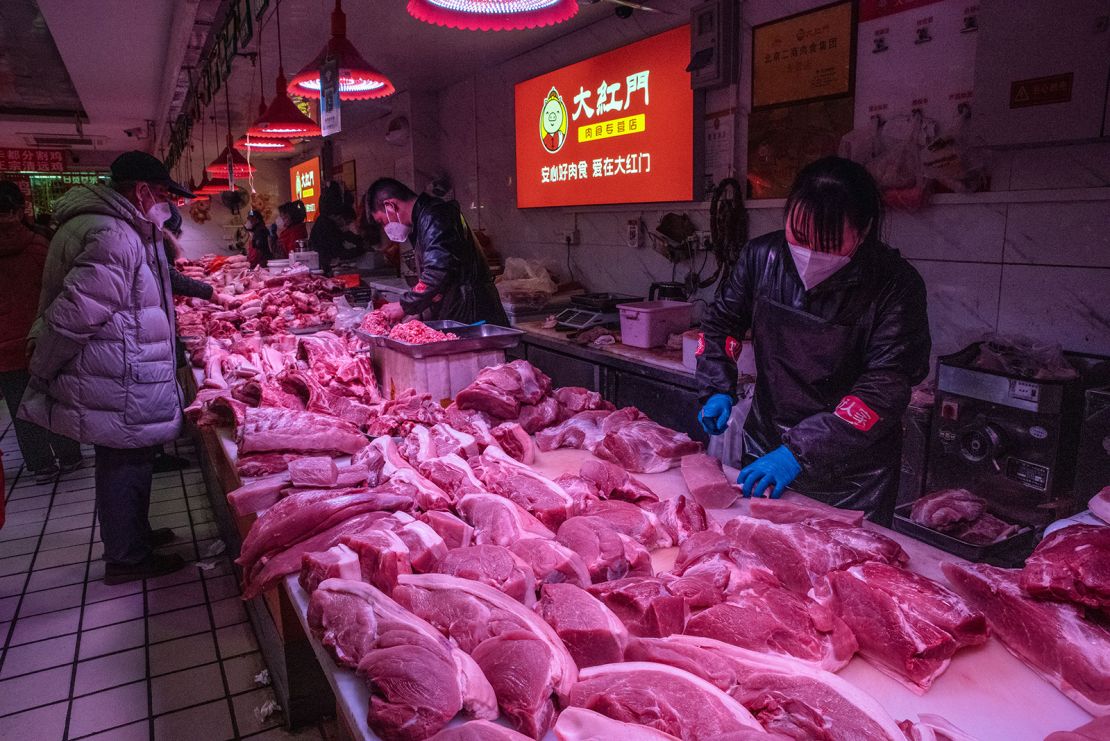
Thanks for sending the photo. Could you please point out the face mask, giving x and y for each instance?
(158, 213)
(814, 267)
(396, 231)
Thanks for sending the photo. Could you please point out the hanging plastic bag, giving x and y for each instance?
(346, 316)
(897, 168)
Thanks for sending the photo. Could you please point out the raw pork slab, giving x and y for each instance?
(314, 472)
(636, 522)
(644, 605)
(797, 508)
(455, 532)
(1053, 638)
(607, 553)
(907, 625)
(494, 565)
(787, 696)
(500, 390)
(941, 510)
(643, 446)
(537, 494)
(590, 630)
(515, 441)
(417, 680)
(551, 562)
(575, 399)
(337, 562)
(579, 724)
(582, 432)
(664, 698)
(499, 521)
(267, 430)
(452, 474)
(681, 517)
(1072, 565)
(514, 661)
(775, 620)
(255, 496)
(478, 730)
(612, 482)
(707, 483)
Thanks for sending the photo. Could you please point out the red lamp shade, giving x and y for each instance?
(282, 119)
(358, 79)
(212, 186)
(240, 167)
(493, 15)
(261, 145)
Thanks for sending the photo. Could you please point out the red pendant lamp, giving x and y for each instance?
(493, 15)
(229, 163)
(358, 79)
(214, 185)
(282, 119)
(251, 141)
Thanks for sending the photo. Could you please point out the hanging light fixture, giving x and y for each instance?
(493, 15)
(358, 79)
(215, 185)
(251, 141)
(282, 119)
(229, 162)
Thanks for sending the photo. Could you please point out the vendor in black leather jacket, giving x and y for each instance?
(840, 334)
(455, 281)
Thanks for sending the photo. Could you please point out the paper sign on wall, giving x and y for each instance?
(616, 128)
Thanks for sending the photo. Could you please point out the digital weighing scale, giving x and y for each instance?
(592, 310)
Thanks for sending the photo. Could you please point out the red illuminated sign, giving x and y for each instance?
(31, 160)
(616, 128)
(304, 184)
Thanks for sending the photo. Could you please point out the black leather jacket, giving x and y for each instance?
(835, 365)
(455, 282)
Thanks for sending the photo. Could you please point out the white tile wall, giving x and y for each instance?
(1068, 306)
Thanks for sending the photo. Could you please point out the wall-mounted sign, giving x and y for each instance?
(804, 57)
(1041, 90)
(304, 184)
(616, 128)
(31, 160)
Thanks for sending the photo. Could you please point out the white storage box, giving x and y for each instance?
(650, 323)
(307, 258)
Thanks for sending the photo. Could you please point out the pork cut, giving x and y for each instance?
(535, 493)
(589, 629)
(579, 724)
(607, 553)
(422, 491)
(635, 522)
(793, 507)
(337, 562)
(943, 509)
(418, 682)
(774, 620)
(498, 520)
(575, 399)
(582, 432)
(314, 472)
(552, 562)
(643, 446)
(707, 483)
(788, 697)
(274, 430)
(255, 496)
(494, 565)
(478, 730)
(583, 492)
(1052, 637)
(522, 656)
(662, 697)
(907, 626)
(644, 604)
(262, 464)
(613, 482)
(382, 557)
(1072, 565)
(681, 517)
(538, 416)
(1097, 730)
(455, 532)
(500, 390)
(452, 474)
(515, 441)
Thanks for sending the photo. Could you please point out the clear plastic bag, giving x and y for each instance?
(1025, 357)
(348, 317)
(525, 276)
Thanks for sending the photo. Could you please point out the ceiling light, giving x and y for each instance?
(358, 79)
(493, 15)
(260, 145)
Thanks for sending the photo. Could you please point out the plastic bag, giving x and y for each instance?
(525, 276)
(348, 317)
(1025, 357)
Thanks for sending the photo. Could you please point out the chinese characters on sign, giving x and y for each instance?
(803, 57)
(608, 96)
(32, 160)
(600, 167)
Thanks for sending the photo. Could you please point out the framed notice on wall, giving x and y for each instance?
(804, 57)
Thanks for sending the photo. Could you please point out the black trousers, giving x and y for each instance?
(39, 447)
(123, 481)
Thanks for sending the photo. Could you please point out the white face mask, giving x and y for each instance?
(395, 230)
(815, 267)
(158, 213)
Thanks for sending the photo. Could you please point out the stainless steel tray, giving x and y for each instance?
(471, 339)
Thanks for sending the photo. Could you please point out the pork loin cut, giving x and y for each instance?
(644, 604)
(590, 630)
(579, 724)
(787, 696)
(314, 472)
(536, 493)
(793, 507)
(337, 562)
(552, 562)
(267, 430)
(255, 496)
(607, 553)
(498, 520)
(1052, 637)
(494, 565)
(418, 682)
(774, 620)
(1072, 565)
(637, 523)
(612, 482)
(641, 445)
(707, 483)
(662, 697)
(907, 625)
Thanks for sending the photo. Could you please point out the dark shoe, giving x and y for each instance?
(71, 466)
(156, 564)
(164, 463)
(46, 475)
(160, 537)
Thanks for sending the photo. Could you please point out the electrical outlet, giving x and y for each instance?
(572, 237)
(703, 240)
(635, 235)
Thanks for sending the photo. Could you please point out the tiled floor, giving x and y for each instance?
(169, 658)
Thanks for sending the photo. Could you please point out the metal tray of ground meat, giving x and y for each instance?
(471, 339)
(1007, 553)
(378, 340)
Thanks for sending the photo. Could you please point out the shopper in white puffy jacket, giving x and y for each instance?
(103, 366)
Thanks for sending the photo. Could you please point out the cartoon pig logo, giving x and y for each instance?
(553, 122)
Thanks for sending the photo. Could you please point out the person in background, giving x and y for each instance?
(103, 365)
(841, 335)
(290, 228)
(454, 279)
(22, 257)
(330, 237)
(259, 251)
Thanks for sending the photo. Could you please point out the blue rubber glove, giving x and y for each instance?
(714, 415)
(778, 468)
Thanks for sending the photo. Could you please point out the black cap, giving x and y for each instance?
(147, 168)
